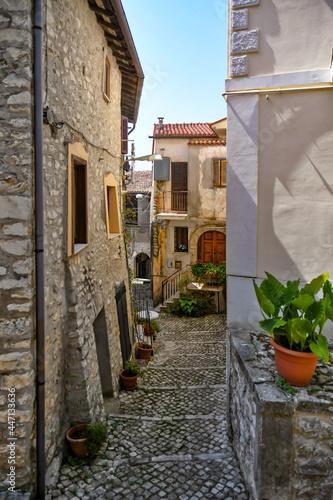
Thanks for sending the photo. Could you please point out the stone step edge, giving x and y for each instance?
(173, 458)
(182, 387)
(173, 369)
(174, 418)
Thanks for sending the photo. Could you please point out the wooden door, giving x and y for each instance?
(211, 247)
(125, 341)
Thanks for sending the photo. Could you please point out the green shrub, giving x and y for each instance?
(95, 435)
(190, 306)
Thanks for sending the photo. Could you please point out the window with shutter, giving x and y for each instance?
(77, 222)
(124, 135)
(219, 173)
(111, 206)
(106, 79)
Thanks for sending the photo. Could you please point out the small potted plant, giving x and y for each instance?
(86, 439)
(129, 376)
(203, 272)
(295, 319)
(144, 350)
(151, 327)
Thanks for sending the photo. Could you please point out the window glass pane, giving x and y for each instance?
(181, 239)
(79, 204)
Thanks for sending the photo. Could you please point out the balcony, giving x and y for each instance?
(172, 202)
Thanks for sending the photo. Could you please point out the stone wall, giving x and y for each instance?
(16, 243)
(78, 287)
(284, 442)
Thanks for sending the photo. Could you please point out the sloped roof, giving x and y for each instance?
(205, 142)
(183, 130)
(142, 182)
(111, 17)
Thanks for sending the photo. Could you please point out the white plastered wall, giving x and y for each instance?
(280, 194)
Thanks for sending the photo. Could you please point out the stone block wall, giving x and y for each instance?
(16, 243)
(284, 442)
(77, 287)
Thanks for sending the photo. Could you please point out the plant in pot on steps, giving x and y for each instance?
(86, 439)
(151, 328)
(144, 350)
(295, 319)
(129, 376)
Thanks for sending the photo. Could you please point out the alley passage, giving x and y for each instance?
(169, 440)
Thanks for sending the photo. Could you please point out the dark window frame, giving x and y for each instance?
(219, 172)
(79, 201)
(181, 239)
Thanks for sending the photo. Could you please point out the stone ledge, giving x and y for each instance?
(278, 437)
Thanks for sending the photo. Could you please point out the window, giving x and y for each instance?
(219, 172)
(124, 135)
(181, 239)
(77, 234)
(111, 206)
(106, 79)
(131, 209)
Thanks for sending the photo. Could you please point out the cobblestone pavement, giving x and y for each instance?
(169, 439)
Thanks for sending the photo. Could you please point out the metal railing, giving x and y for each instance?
(172, 284)
(172, 201)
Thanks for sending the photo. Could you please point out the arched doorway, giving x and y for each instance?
(211, 247)
(142, 266)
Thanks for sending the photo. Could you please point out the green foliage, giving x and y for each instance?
(152, 326)
(185, 280)
(281, 382)
(134, 368)
(199, 269)
(188, 305)
(95, 435)
(74, 461)
(295, 317)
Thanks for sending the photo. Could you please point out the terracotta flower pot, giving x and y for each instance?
(77, 445)
(128, 381)
(145, 352)
(296, 367)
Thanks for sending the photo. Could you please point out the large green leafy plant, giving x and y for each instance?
(295, 317)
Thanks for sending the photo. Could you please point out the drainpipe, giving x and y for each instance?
(39, 247)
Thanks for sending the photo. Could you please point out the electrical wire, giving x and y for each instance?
(59, 125)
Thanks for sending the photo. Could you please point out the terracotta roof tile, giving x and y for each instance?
(183, 130)
(143, 181)
(219, 142)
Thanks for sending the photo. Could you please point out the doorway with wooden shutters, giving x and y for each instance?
(211, 247)
(179, 187)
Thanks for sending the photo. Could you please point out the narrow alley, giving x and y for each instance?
(169, 438)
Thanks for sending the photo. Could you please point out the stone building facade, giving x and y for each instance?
(189, 196)
(279, 158)
(138, 215)
(91, 78)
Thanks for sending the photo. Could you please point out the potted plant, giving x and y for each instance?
(151, 327)
(129, 376)
(144, 350)
(295, 319)
(85, 439)
(203, 272)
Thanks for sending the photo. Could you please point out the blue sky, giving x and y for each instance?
(182, 47)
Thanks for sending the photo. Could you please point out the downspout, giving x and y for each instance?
(39, 247)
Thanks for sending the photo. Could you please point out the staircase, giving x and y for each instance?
(171, 286)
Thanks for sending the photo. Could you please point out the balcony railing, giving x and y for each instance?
(172, 202)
